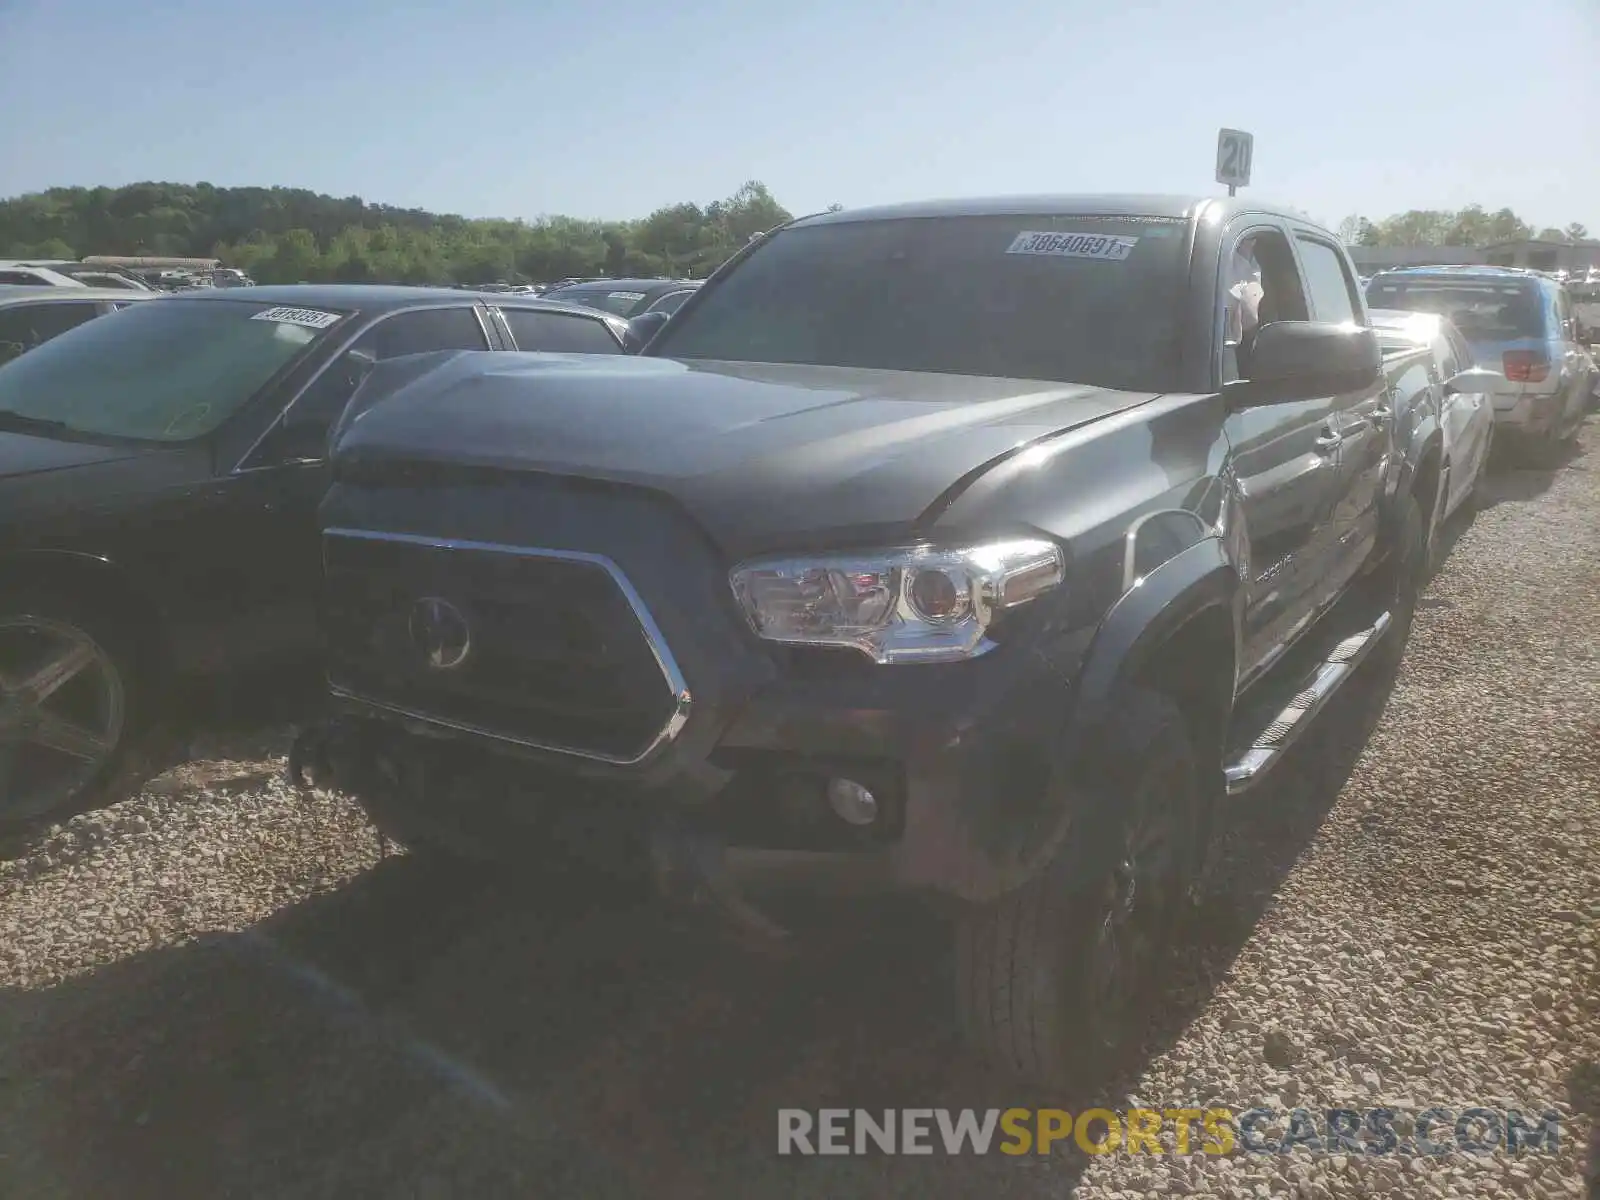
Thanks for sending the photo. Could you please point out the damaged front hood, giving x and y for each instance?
(756, 453)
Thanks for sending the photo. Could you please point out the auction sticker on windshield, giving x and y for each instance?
(309, 318)
(1074, 245)
(630, 296)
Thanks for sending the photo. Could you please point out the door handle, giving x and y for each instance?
(1328, 441)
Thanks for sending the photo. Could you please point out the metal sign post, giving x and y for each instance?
(1235, 152)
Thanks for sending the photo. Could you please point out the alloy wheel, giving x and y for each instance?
(62, 713)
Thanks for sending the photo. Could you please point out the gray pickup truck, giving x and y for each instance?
(973, 550)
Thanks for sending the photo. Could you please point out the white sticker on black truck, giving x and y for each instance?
(1074, 245)
(309, 318)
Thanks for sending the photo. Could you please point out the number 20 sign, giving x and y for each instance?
(1235, 148)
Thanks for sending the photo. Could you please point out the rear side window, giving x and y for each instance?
(24, 326)
(670, 303)
(1481, 309)
(563, 333)
(1332, 291)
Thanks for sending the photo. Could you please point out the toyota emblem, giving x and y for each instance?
(440, 633)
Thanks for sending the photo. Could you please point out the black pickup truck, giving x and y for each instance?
(978, 550)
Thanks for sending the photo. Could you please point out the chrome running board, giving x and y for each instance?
(1267, 749)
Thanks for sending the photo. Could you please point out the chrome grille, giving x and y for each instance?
(549, 649)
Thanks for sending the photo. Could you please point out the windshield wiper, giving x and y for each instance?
(22, 423)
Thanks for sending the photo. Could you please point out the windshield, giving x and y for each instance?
(1070, 298)
(164, 371)
(1482, 310)
(621, 301)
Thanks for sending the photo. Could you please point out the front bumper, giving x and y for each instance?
(968, 761)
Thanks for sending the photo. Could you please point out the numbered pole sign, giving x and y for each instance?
(1235, 149)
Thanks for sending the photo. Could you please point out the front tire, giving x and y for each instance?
(71, 700)
(1054, 979)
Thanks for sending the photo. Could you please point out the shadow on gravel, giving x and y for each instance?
(1511, 478)
(426, 1033)
(1583, 1094)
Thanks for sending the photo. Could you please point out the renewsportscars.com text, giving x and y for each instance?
(1437, 1131)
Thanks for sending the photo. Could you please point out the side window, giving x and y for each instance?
(424, 330)
(1333, 292)
(302, 434)
(564, 333)
(24, 326)
(24, 278)
(1260, 284)
(1449, 362)
(670, 303)
(1414, 380)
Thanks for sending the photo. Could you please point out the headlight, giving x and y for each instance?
(908, 605)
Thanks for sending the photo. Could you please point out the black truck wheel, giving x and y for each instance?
(1054, 980)
(70, 702)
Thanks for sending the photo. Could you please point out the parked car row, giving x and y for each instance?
(160, 471)
(1518, 323)
(838, 576)
(65, 273)
(31, 316)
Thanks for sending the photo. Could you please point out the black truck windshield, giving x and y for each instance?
(1077, 299)
(161, 371)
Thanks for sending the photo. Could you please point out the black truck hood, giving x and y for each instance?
(756, 453)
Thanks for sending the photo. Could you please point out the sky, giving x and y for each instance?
(523, 108)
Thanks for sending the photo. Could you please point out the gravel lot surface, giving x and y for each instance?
(223, 988)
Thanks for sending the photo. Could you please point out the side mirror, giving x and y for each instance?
(1473, 379)
(361, 364)
(642, 329)
(1295, 360)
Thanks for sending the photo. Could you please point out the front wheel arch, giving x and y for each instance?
(100, 582)
(1148, 617)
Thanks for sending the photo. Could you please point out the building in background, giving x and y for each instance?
(1546, 256)
(1533, 254)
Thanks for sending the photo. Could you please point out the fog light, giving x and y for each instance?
(854, 803)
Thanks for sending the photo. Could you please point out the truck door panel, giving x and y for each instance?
(1285, 455)
(1362, 419)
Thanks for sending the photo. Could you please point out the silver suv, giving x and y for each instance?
(1517, 322)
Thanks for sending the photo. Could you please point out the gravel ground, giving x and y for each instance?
(223, 988)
